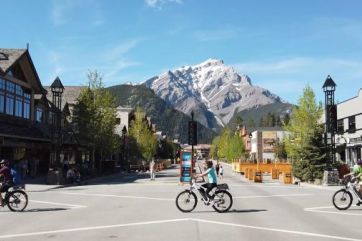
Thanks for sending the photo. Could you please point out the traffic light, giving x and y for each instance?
(192, 133)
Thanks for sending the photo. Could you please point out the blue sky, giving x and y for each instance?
(283, 45)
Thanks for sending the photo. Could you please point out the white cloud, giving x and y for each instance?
(160, 3)
(66, 11)
(121, 49)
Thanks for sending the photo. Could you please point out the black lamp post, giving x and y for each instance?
(124, 132)
(57, 89)
(330, 117)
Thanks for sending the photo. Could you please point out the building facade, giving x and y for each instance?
(25, 112)
(263, 141)
(348, 137)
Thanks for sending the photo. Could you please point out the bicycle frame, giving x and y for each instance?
(351, 187)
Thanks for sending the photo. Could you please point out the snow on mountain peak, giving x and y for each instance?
(211, 86)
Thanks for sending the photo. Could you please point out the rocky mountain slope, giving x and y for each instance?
(171, 122)
(213, 90)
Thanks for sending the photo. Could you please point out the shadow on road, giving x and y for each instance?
(235, 211)
(247, 210)
(45, 209)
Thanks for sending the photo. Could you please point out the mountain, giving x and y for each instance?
(213, 90)
(254, 115)
(170, 121)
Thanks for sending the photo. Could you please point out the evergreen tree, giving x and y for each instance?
(304, 145)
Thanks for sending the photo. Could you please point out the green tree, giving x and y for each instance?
(302, 144)
(143, 136)
(228, 146)
(95, 115)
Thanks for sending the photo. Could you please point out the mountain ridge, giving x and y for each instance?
(212, 89)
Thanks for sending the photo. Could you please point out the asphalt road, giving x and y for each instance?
(135, 208)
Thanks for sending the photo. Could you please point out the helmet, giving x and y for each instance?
(4, 161)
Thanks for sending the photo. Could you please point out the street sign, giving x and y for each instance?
(192, 133)
(186, 167)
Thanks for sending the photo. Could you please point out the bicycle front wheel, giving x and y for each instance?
(342, 199)
(17, 200)
(186, 201)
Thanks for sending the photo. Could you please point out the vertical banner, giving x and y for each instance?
(186, 167)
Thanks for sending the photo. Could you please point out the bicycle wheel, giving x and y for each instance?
(17, 200)
(342, 199)
(222, 201)
(186, 201)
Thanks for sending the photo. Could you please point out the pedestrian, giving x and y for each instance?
(70, 176)
(152, 169)
(24, 168)
(34, 167)
(221, 172)
(65, 166)
(217, 168)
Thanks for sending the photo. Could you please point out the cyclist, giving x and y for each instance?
(7, 179)
(212, 178)
(357, 173)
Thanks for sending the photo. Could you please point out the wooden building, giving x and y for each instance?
(25, 115)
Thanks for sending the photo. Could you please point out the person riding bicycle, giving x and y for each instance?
(7, 178)
(212, 178)
(357, 173)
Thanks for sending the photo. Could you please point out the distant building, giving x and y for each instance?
(124, 115)
(263, 141)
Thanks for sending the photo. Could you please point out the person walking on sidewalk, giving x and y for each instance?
(152, 169)
(221, 172)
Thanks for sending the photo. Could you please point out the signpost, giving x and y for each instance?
(186, 158)
(186, 166)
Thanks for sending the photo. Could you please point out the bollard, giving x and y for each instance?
(275, 174)
(258, 176)
(287, 178)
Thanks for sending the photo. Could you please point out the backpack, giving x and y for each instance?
(15, 176)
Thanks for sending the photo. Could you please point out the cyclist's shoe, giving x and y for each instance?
(2, 204)
(359, 203)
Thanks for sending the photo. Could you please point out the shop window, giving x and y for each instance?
(39, 114)
(352, 124)
(340, 126)
(19, 107)
(10, 104)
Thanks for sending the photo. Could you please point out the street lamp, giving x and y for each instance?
(124, 132)
(330, 116)
(57, 90)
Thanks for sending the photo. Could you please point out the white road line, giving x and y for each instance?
(117, 196)
(90, 228)
(316, 210)
(178, 220)
(269, 196)
(59, 204)
(266, 185)
(278, 230)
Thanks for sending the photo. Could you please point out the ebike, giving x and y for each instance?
(343, 198)
(187, 200)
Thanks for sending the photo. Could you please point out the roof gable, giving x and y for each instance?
(9, 56)
(21, 57)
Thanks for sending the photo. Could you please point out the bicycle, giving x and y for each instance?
(15, 198)
(187, 200)
(343, 198)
